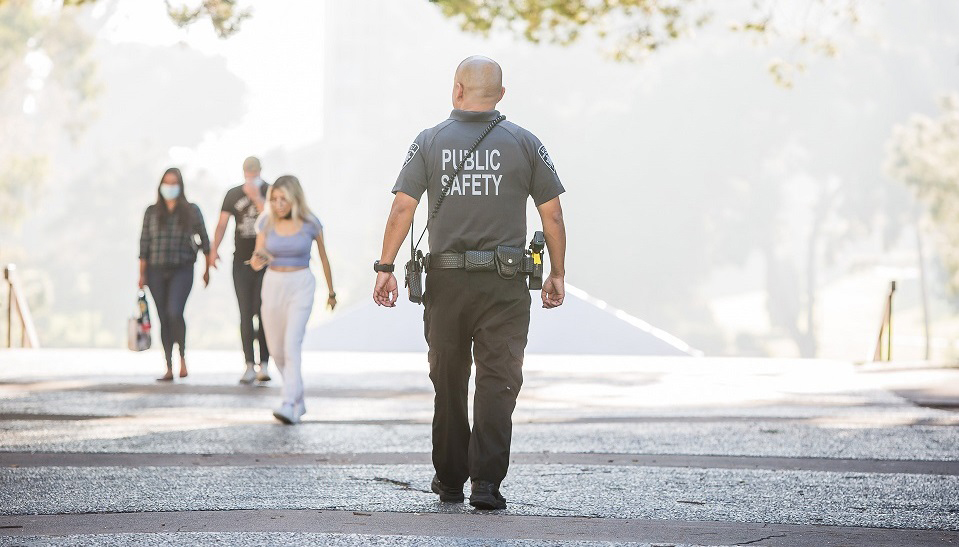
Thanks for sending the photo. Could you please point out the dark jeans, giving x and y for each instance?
(247, 284)
(474, 315)
(170, 287)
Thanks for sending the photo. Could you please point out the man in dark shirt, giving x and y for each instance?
(475, 314)
(244, 203)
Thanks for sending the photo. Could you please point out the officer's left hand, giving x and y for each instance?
(385, 292)
(554, 291)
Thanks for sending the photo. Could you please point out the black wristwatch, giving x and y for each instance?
(377, 267)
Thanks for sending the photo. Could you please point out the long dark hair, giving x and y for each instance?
(181, 210)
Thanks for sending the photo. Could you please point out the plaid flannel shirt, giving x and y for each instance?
(168, 243)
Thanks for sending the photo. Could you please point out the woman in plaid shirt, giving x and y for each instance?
(168, 248)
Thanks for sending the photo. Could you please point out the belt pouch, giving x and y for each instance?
(480, 261)
(509, 261)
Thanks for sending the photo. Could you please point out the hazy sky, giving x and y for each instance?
(278, 57)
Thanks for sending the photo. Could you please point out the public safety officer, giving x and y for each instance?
(475, 313)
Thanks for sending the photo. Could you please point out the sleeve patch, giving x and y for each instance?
(545, 156)
(414, 148)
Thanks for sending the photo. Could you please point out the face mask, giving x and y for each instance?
(170, 191)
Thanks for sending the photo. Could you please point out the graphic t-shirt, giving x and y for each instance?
(486, 204)
(244, 214)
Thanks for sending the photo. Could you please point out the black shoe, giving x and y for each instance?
(485, 495)
(447, 494)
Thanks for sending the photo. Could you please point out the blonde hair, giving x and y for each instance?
(294, 194)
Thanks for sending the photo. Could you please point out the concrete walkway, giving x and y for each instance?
(664, 451)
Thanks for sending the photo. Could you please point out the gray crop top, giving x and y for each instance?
(292, 250)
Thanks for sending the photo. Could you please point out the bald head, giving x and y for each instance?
(478, 84)
(251, 168)
(251, 164)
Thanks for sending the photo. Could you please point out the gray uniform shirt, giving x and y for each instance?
(486, 205)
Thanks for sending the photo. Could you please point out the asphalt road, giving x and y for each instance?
(606, 450)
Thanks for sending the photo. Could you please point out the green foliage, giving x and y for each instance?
(17, 25)
(18, 176)
(223, 14)
(631, 30)
(924, 154)
(47, 78)
(636, 27)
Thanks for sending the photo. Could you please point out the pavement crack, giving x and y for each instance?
(402, 484)
(761, 539)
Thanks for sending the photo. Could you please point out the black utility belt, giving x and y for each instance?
(507, 261)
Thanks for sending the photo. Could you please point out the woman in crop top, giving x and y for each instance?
(286, 232)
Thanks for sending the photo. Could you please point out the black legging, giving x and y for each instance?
(170, 287)
(247, 284)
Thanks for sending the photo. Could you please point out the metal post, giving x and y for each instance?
(877, 355)
(24, 340)
(7, 272)
(892, 290)
(28, 331)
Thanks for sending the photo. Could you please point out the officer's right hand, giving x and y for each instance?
(554, 291)
(142, 281)
(385, 292)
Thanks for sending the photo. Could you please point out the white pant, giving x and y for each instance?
(287, 300)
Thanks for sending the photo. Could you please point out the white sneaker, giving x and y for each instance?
(287, 414)
(300, 409)
(249, 375)
(262, 376)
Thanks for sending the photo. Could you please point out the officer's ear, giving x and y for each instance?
(458, 91)
(502, 92)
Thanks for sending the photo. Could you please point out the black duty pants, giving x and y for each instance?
(475, 315)
(170, 287)
(247, 284)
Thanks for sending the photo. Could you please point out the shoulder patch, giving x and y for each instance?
(414, 148)
(545, 155)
